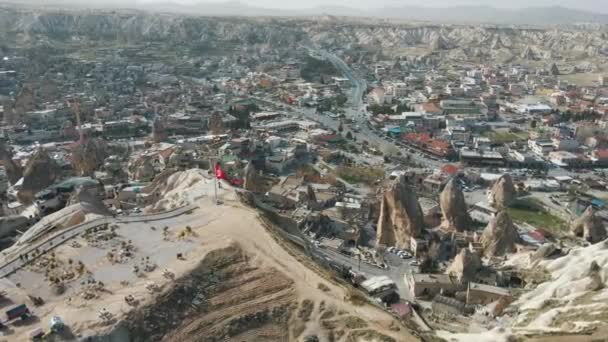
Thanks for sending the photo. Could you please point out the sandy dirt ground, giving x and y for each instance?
(211, 228)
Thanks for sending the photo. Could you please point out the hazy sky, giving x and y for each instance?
(590, 5)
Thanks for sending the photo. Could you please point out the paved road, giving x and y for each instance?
(63, 236)
(374, 138)
(397, 268)
(358, 85)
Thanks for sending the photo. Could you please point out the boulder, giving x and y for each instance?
(503, 192)
(465, 266)
(88, 156)
(500, 236)
(589, 226)
(454, 208)
(40, 172)
(400, 215)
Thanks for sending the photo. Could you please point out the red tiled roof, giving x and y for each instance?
(440, 145)
(601, 153)
(449, 169)
(430, 107)
(417, 137)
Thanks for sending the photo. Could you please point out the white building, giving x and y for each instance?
(538, 108)
(563, 158)
(398, 90)
(379, 96)
(539, 147)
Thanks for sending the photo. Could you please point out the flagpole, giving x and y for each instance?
(215, 188)
(214, 161)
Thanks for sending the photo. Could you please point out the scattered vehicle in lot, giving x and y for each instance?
(404, 255)
(414, 263)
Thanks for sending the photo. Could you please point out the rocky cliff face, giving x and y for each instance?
(503, 192)
(466, 41)
(500, 236)
(40, 172)
(589, 226)
(400, 215)
(465, 266)
(454, 208)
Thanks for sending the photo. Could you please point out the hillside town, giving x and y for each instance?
(456, 195)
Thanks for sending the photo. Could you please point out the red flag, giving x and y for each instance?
(219, 173)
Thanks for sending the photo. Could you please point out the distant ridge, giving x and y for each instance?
(541, 16)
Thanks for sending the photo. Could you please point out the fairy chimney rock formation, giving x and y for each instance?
(88, 156)
(589, 226)
(454, 208)
(401, 217)
(500, 236)
(251, 179)
(465, 266)
(40, 172)
(14, 172)
(159, 132)
(310, 194)
(503, 192)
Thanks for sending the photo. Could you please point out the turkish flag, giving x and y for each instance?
(219, 173)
